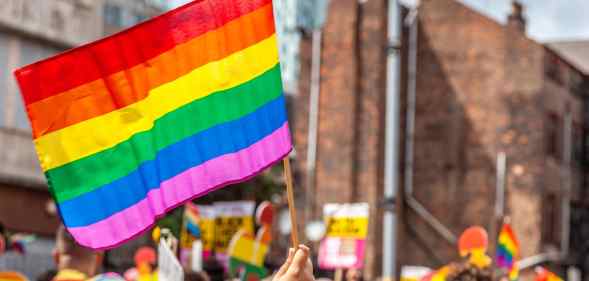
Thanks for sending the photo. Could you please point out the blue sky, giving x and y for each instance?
(548, 20)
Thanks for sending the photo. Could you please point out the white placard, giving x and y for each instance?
(169, 266)
(196, 256)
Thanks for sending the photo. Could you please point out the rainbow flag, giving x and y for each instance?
(192, 219)
(133, 125)
(508, 251)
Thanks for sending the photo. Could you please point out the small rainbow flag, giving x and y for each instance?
(191, 219)
(508, 251)
(133, 125)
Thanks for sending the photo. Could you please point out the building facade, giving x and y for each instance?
(31, 30)
(483, 90)
(351, 126)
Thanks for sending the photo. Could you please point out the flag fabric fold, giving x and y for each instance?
(138, 123)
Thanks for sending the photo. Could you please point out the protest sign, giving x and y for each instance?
(196, 262)
(204, 218)
(169, 267)
(414, 273)
(247, 253)
(346, 230)
(232, 217)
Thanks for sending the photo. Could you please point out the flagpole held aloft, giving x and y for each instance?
(291, 206)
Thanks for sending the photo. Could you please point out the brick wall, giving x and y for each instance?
(351, 114)
(481, 90)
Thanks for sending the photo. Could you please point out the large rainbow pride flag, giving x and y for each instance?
(138, 123)
(508, 252)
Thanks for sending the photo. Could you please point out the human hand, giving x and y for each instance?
(297, 267)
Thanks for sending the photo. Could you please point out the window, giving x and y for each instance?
(112, 15)
(576, 83)
(128, 18)
(140, 18)
(57, 21)
(3, 74)
(552, 67)
(577, 144)
(553, 136)
(550, 219)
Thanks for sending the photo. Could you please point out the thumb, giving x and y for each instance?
(299, 261)
(286, 264)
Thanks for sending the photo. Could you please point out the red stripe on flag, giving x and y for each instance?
(119, 52)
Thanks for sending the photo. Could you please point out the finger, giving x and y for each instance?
(286, 264)
(299, 261)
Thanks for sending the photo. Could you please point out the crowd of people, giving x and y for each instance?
(76, 263)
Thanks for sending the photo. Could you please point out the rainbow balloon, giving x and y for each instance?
(133, 125)
(508, 251)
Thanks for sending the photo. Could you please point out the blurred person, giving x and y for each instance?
(73, 261)
(466, 271)
(297, 267)
(353, 274)
(214, 269)
(196, 276)
(47, 275)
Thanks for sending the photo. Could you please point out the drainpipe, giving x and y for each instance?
(567, 184)
(412, 202)
(391, 167)
(499, 197)
(500, 186)
(315, 90)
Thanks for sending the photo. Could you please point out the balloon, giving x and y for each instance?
(264, 213)
(145, 255)
(473, 238)
(12, 276)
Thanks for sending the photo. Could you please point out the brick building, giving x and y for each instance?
(482, 89)
(349, 165)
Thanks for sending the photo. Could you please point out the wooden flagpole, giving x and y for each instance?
(291, 206)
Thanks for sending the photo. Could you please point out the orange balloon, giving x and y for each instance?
(264, 213)
(473, 238)
(145, 255)
(12, 276)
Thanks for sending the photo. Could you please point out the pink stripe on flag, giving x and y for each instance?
(195, 182)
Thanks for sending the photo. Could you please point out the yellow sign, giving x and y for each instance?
(232, 217)
(226, 227)
(206, 224)
(346, 220)
(346, 227)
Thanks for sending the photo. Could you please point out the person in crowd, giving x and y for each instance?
(196, 276)
(73, 261)
(353, 275)
(47, 275)
(466, 271)
(297, 267)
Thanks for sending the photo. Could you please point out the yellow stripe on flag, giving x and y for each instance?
(505, 240)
